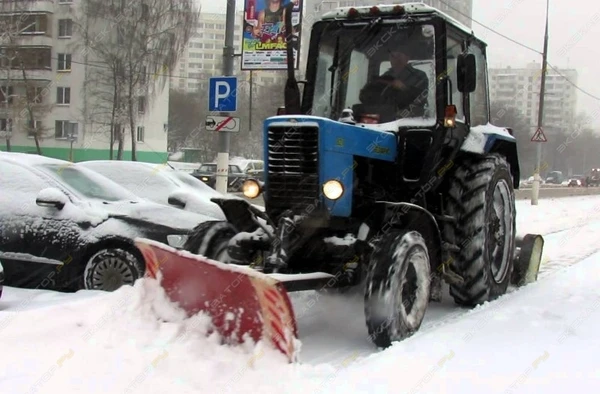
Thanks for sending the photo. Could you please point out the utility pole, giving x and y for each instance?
(535, 190)
(250, 106)
(224, 136)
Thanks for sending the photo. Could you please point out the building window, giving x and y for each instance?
(140, 134)
(62, 128)
(64, 62)
(142, 104)
(34, 24)
(63, 95)
(6, 94)
(5, 126)
(33, 127)
(145, 11)
(36, 94)
(65, 28)
(209, 56)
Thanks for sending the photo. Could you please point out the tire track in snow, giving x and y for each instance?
(333, 330)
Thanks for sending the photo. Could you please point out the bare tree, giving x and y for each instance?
(22, 97)
(144, 44)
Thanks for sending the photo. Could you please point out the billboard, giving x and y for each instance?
(263, 42)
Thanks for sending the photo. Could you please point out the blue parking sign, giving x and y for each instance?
(222, 94)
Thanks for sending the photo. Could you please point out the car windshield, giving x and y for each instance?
(192, 182)
(147, 181)
(357, 70)
(208, 168)
(87, 183)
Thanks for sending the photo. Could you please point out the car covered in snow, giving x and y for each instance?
(65, 227)
(160, 183)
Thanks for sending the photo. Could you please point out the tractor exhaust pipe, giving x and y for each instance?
(527, 259)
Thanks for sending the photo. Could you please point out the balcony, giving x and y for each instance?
(25, 24)
(37, 61)
(21, 6)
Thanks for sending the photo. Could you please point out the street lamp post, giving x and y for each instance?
(535, 190)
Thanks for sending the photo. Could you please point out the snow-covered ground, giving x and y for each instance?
(540, 339)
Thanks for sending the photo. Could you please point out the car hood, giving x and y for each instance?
(153, 213)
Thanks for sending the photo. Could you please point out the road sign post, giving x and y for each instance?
(221, 93)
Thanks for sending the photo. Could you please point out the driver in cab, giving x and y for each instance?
(400, 92)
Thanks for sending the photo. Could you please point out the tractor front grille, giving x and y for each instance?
(293, 169)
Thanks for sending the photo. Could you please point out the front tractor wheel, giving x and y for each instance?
(397, 287)
(481, 198)
(212, 240)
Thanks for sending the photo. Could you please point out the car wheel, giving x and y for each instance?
(111, 268)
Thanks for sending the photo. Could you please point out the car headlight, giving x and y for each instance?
(251, 188)
(205, 178)
(333, 189)
(177, 240)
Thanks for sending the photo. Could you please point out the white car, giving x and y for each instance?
(160, 183)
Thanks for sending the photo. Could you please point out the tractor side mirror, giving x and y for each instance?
(467, 73)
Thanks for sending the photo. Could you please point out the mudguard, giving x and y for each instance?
(528, 258)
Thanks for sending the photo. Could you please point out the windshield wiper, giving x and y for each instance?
(365, 34)
(334, 67)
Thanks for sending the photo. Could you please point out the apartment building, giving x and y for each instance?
(520, 88)
(56, 67)
(203, 58)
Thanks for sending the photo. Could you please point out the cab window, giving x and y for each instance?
(453, 49)
(479, 105)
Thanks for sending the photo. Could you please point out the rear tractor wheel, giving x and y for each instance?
(397, 287)
(481, 198)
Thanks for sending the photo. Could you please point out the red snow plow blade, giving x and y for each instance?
(241, 302)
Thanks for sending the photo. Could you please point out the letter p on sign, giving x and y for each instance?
(222, 94)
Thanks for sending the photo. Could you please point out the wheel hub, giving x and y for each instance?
(111, 273)
(500, 230)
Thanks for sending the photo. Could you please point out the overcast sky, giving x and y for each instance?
(573, 40)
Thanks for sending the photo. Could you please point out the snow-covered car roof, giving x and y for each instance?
(30, 159)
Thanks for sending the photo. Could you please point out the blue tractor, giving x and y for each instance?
(386, 175)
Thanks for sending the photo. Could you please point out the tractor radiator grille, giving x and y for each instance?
(293, 169)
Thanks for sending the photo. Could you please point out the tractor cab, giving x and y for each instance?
(394, 67)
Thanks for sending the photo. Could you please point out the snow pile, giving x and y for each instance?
(132, 340)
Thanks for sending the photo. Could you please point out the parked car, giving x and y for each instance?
(161, 184)
(65, 227)
(254, 168)
(207, 173)
(577, 181)
(555, 177)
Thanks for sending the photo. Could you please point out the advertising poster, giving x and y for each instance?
(263, 44)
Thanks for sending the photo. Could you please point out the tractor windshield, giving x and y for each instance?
(383, 73)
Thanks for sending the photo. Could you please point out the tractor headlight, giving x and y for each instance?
(177, 241)
(333, 189)
(251, 188)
